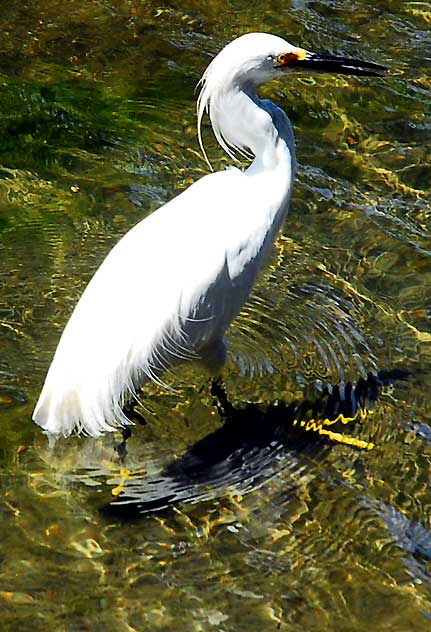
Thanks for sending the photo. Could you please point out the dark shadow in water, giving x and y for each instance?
(254, 444)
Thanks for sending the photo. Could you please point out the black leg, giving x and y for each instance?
(129, 410)
(121, 448)
(222, 402)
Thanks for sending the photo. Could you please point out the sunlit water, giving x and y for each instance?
(264, 530)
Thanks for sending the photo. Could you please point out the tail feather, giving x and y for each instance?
(61, 410)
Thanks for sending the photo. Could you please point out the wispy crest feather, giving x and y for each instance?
(219, 79)
(211, 92)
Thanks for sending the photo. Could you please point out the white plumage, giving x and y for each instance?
(188, 268)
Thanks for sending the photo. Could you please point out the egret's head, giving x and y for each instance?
(251, 59)
(255, 58)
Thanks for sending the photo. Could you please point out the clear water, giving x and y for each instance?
(97, 129)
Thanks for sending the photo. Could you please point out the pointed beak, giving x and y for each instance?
(338, 65)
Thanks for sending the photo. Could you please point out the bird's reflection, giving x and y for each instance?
(252, 446)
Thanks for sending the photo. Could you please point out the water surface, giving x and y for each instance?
(97, 129)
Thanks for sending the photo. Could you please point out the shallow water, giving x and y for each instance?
(266, 529)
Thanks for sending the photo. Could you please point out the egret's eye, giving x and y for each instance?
(285, 59)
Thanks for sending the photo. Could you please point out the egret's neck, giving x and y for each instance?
(246, 123)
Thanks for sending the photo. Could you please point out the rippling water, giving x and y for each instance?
(251, 523)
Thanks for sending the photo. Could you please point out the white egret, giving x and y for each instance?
(188, 268)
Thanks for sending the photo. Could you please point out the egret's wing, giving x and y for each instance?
(135, 302)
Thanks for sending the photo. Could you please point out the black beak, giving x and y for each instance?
(339, 65)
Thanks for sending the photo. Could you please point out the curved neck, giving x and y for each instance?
(243, 122)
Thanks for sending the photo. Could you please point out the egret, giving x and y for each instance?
(188, 268)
